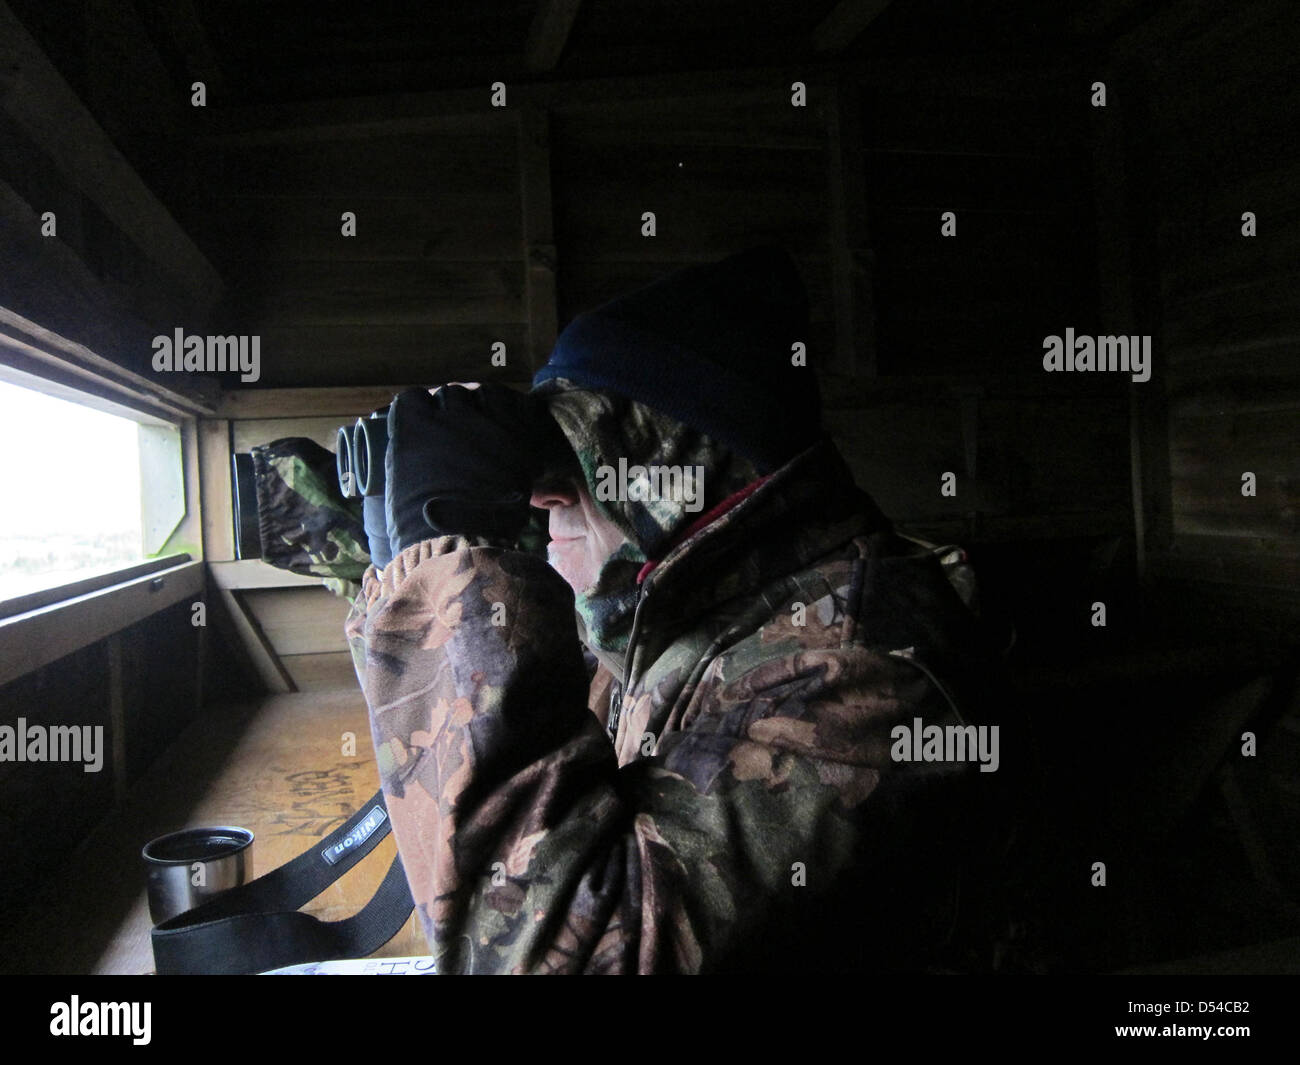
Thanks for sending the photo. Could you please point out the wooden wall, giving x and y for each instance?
(1221, 129)
(432, 278)
(141, 687)
(475, 225)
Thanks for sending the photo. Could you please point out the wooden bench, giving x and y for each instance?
(276, 766)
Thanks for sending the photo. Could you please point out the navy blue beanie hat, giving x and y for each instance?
(710, 346)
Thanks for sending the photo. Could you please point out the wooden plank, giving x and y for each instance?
(247, 573)
(1236, 392)
(36, 638)
(481, 225)
(1226, 439)
(37, 97)
(298, 621)
(188, 534)
(425, 168)
(549, 33)
(922, 440)
(214, 485)
(1054, 455)
(1205, 259)
(989, 75)
(321, 672)
(190, 41)
(1129, 294)
(970, 183)
(1253, 310)
(361, 293)
(247, 637)
(674, 124)
(126, 84)
(359, 355)
(538, 233)
(854, 394)
(1231, 560)
(116, 717)
(250, 434)
(470, 110)
(850, 242)
(276, 767)
(76, 361)
(845, 23)
(585, 284)
(243, 404)
(970, 126)
(46, 596)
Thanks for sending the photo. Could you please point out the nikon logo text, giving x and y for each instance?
(194, 354)
(58, 743)
(102, 1018)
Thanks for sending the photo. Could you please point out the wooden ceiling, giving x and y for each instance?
(260, 52)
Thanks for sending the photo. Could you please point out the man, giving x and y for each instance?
(728, 791)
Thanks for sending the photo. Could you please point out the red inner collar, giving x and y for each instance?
(704, 520)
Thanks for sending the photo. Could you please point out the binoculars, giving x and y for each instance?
(359, 456)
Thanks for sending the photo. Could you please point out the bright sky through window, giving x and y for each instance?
(70, 505)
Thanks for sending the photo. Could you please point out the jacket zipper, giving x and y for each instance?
(617, 712)
(908, 654)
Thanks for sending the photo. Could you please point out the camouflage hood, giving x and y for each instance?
(652, 477)
(788, 519)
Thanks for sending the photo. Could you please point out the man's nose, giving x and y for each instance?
(546, 496)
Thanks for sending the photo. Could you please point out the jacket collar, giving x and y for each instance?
(781, 525)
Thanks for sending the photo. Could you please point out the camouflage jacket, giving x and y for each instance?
(739, 808)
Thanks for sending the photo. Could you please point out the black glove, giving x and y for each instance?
(463, 461)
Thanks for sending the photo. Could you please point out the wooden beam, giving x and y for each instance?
(347, 404)
(851, 256)
(246, 573)
(40, 101)
(214, 490)
(549, 33)
(116, 717)
(39, 637)
(470, 109)
(42, 352)
(845, 24)
(23, 604)
(249, 637)
(539, 235)
(991, 76)
(1104, 18)
(126, 83)
(190, 40)
(1129, 296)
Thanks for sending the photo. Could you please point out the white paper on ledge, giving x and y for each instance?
(360, 967)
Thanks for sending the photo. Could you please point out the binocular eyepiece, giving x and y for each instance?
(359, 456)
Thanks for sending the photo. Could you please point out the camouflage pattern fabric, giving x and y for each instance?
(601, 427)
(740, 809)
(305, 524)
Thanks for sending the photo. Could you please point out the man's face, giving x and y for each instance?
(582, 538)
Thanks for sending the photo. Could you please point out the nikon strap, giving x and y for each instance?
(257, 926)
